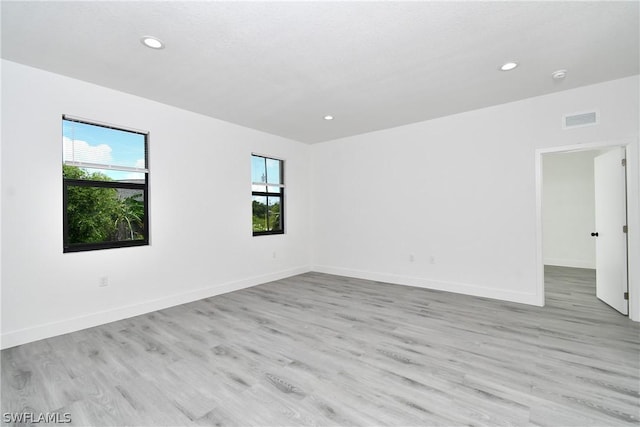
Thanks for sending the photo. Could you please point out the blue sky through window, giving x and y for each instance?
(96, 144)
(265, 170)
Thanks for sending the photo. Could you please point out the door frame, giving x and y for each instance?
(633, 215)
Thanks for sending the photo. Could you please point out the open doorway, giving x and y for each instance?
(584, 221)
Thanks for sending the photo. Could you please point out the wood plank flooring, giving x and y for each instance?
(323, 350)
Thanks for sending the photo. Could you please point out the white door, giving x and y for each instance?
(611, 240)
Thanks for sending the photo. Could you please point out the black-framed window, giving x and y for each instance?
(267, 191)
(105, 178)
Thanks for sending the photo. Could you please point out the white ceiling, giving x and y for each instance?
(281, 66)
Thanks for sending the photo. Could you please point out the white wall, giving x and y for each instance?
(459, 193)
(568, 209)
(200, 218)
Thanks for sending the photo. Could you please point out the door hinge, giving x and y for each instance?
(626, 295)
(625, 229)
(624, 162)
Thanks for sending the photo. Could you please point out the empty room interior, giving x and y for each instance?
(320, 213)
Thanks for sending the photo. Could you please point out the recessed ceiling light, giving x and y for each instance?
(559, 75)
(509, 66)
(152, 42)
(328, 117)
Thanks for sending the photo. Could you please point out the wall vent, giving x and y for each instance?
(570, 121)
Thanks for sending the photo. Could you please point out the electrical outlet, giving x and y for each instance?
(104, 281)
(274, 255)
(432, 259)
(411, 258)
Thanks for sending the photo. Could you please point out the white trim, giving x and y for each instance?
(539, 255)
(48, 330)
(575, 263)
(419, 282)
(633, 214)
(265, 184)
(103, 166)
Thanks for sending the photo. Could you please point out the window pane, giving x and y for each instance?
(259, 208)
(268, 192)
(115, 148)
(274, 216)
(258, 170)
(106, 210)
(273, 171)
(99, 215)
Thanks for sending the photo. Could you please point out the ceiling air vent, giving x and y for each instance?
(577, 120)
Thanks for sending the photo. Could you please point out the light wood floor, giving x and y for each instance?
(324, 350)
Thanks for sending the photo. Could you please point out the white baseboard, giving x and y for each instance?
(48, 330)
(458, 288)
(575, 263)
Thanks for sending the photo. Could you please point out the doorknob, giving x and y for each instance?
(594, 234)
